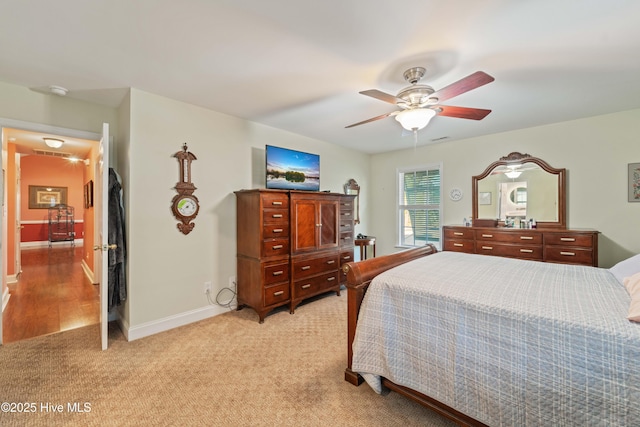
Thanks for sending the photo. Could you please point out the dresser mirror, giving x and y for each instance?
(352, 187)
(517, 187)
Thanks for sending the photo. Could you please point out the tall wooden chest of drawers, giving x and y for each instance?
(547, 245)
(290, 246)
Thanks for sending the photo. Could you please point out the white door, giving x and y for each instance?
(19, 227)
(2, 234)
(101, 241)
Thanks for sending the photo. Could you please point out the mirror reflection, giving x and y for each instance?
(513, 199)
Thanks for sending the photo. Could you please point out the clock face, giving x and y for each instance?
(186, 206)
(455, 194)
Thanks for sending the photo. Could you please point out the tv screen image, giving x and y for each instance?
(292, 170)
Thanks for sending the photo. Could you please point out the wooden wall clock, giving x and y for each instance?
(185, 205)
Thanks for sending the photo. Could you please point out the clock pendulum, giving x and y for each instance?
(185, 205)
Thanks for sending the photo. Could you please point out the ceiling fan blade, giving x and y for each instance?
(382, 96)
(473, 81)
(373, 119)
(461, 112)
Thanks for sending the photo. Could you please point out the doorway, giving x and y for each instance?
(50, 285)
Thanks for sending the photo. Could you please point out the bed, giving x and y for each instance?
(496, 341)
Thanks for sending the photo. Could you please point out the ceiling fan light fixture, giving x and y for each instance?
(513, 172)
(58, 90)
(53, 142)
(415, 119)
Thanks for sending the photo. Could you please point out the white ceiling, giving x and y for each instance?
(298, 65)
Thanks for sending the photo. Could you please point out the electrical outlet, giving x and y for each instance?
(207, 287)
(232, 282)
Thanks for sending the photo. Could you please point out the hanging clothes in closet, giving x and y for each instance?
(117, 282)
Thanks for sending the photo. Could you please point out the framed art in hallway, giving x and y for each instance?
(88, 194)
(634, 182)
(44, 197)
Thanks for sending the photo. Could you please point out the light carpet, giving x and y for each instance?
(225, 371)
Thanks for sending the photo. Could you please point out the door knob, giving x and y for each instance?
(105, 247)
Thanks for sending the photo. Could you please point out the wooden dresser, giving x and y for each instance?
(547, 245)
(290, 246)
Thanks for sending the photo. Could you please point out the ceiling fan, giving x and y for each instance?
(419, 103)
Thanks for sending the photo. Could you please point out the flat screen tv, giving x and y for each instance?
(292, 170)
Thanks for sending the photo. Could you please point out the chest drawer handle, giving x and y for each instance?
(347, 238)
(490, 248)
(457, 233)
(347, 214)
(277, 230)
(568, 253)
(278, 273)
(526, 251)
(347, 205)
(458, 244)
(276, 203)
(277, 294)
(276, 216)
(307, 286)
(276, 247)
(331, 261)
(346, 257)
(331, 279)
(526, 237)
(306, 267)
(568, 239)
(487, 235)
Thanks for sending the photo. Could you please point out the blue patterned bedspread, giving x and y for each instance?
(506, 341)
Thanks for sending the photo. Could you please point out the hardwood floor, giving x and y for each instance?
(53, 294)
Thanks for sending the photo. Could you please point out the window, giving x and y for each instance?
(419, 209)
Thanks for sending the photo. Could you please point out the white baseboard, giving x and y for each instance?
(171, 322)
(5, 299)
(45, 244)
(88, 272)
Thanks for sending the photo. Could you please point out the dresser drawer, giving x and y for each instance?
(275, 247)
(454, 245)
(516, 236)
(314, 285)
(458, 233)
(345, 257)
(275, 273)
(569, 255)
(272, 231)
(346, 239)
(346, 206)
(566, 239)
(346, 226)
(274, 200)
(276, 216)
(276, 294)
(512, 251)
(307, 267)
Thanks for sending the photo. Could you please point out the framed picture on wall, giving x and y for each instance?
(484, 198)
(44, 196)
(634, 182)
(88, 194)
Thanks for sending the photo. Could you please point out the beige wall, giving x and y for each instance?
(595, 151)
(167, 269)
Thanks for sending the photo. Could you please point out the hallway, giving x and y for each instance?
(53, 294)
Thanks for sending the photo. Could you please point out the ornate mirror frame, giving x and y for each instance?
(352, 187)
(519, 158)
